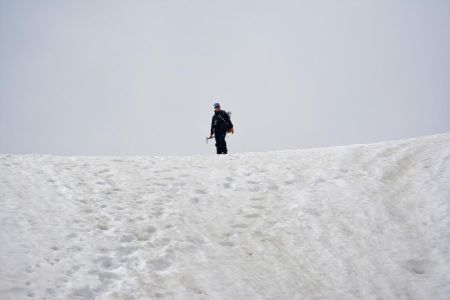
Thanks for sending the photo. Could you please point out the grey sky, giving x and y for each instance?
(140, 77)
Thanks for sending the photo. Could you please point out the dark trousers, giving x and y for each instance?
(221, 144)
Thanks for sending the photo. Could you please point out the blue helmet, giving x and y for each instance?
(216, 105)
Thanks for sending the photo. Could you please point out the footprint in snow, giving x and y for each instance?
(254, 189)
(240, 225)
(124, 251)
(257, 206)
(226, 244)
(195, 200)
(127, 238)
(144, 234)
(272, 187)
(104, 262)
(252, 216)
(256, 199)
(419, 266)
(103, 226)
(159, 264)
(85, 293)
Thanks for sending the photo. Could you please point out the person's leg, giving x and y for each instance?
(217, 137)
(223, 143)
(224, 149)
(220, 142)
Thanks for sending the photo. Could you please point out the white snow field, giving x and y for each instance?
(350, 222)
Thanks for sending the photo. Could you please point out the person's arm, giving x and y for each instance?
(212, 127)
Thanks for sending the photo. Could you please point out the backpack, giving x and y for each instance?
(220, 120)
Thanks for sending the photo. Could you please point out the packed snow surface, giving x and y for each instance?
(351, 222)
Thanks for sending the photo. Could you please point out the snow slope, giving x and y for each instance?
(351, 222)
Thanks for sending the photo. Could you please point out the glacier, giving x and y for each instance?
(366, 221)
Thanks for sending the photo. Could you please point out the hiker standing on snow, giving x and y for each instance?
(221, 124)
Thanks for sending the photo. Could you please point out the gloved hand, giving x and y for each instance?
(231, 130)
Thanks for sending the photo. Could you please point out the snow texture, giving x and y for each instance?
(350, 222)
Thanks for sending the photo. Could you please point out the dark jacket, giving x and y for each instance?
(221, 122)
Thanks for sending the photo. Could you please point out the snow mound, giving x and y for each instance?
(351, 222)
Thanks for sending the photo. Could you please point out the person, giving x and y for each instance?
(220, 126)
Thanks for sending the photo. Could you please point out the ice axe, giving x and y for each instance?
(208, 138)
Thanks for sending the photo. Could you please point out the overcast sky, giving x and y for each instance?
(140, 77)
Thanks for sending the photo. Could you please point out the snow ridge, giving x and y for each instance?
(351, 222)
